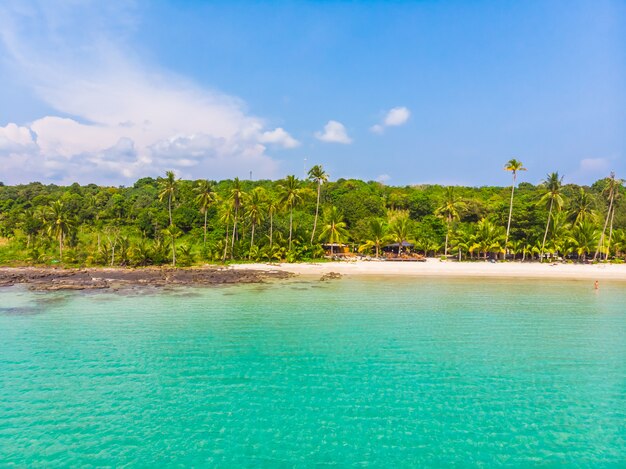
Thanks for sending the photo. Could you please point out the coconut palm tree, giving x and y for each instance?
(552, 184)
(272, 205)
(206, 196)
(59, 224)
(236, 196)
(255, 203)
(334, 228)
(514, 166)
(611, 190)
(319, 176)
(226, 216)
(172, 232)
(291, 195)
(584, 237)
(167, 189)
(400, 229)
(449, 211)
(488, 237)
(377, 236)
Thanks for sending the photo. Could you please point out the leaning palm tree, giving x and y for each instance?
(319, 176)
(553, 184)
(59, 224)
(514, 166)
(334, 229)
(206, 196)
(449, 211)
(167, 189)
(291, 195)
(611, 189)
(255, 203)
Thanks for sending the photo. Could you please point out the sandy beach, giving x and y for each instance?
(435, 267)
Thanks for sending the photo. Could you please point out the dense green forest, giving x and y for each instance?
(167, 220)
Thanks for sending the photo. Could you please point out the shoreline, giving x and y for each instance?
(122, 278)
(437, 268)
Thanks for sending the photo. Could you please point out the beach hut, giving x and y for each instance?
(336, 249)
(395, 247)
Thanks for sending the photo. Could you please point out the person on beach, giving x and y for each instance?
(596, 285)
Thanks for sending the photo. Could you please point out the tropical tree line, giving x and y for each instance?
(181, 222)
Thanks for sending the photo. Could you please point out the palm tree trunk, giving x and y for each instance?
(225, 244)
(251, 241)
(232, 238)
(206, 212)
(445, 251)
(545, 235)
(317, 207)
(169, 208)
(271, 228)
(173, 251)
(61, 246)
(290, 225)
(606, 221)
(608, 244)
(508, 225)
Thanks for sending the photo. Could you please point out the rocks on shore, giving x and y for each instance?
(330, 276)
(55, 279)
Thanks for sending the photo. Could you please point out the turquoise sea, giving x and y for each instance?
(392, 372)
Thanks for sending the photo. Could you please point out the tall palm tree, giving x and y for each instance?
(553, 184)
(377, 236)
(59, 223)
(319, 176)
(334, 228)
(514, 166)
(236, 197)
(255, 203)
(226, 218)
(206, 196)
(291, 195)
(611, 189)
(167, 189)
(173, 232)
(272, 206)
(449, 211)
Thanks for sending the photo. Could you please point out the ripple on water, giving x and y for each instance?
(381, 372)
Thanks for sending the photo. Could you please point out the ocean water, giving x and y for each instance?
(372, 372)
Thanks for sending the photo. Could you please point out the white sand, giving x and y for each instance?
(435, 267)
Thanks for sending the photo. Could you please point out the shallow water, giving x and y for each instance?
(379, 372)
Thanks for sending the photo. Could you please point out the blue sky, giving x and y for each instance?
(402, 92)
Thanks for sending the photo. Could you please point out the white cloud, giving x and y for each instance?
(383, 178)
(393, 118)
(117, 118)
(280, 137)
(334, 132)
(594, 164)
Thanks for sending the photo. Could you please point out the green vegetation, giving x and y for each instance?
(168, 220)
